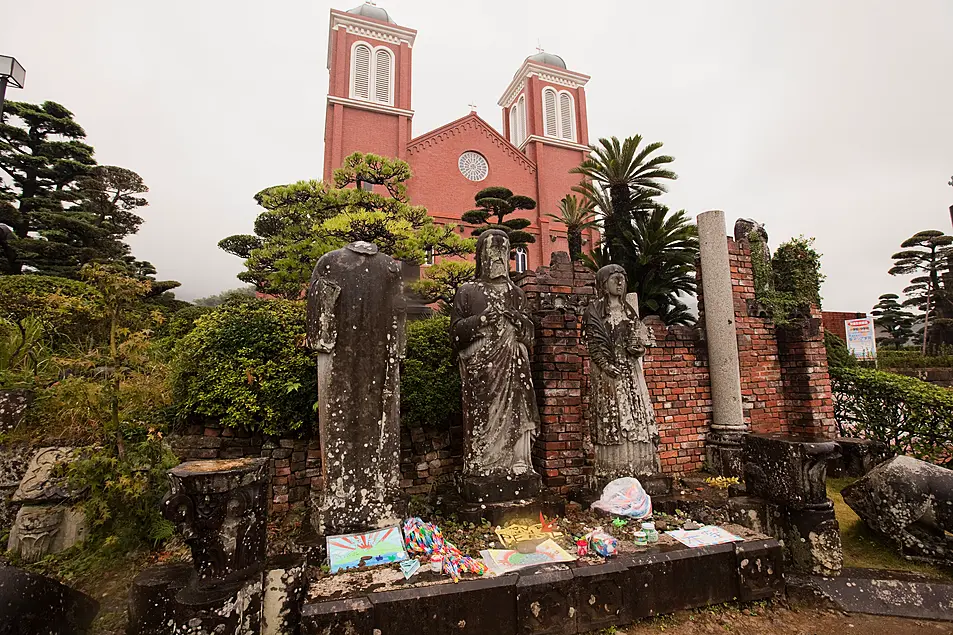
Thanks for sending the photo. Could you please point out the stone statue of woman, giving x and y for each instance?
(492, 335)
(621, 417)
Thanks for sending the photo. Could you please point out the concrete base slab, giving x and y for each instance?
(577, 597)
(919, 599)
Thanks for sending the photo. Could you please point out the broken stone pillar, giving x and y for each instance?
(786, 483)
(909, 503)
(221, 509)
(49, 520)
(286, 584)
(728, 427)
(355, 323)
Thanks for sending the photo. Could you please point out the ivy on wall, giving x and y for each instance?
(789, 283)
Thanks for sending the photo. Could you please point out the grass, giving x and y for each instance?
(865, 550)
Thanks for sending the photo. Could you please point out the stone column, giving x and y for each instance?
(728, 425)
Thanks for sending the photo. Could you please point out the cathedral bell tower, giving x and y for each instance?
(369, 63)
(544, 115)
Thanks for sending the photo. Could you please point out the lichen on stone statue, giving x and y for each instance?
(355, 324)
(492, 336)
(621, 416)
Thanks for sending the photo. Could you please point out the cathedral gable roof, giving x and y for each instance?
(468, 125)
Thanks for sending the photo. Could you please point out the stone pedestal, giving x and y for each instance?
(786, 483)
(221, 508)
(728, 423)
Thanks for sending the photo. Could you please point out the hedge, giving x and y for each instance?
(430, 381)
(911, 416)
(244, 364)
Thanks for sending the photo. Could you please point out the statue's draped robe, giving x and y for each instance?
(621, 417)
(499, 404)
(356, 315)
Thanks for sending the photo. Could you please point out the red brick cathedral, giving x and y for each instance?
(545, 132)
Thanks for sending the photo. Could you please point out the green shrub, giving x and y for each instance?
(838, 356)
(124, 495)
(245, 365)
(430, 381)
(182, 322)
(911, 416)
(912, 359)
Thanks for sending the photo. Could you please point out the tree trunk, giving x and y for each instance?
(574, 236)
(619, 195)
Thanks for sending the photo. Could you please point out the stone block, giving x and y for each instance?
(601, 595)
(857, 457)
(687, 578)
(40, 530)
(484, 605)
(787, 469)
(32, 603)
(812, 540)
(760, 569)
(152, 598)
(544, 601)
(496, 489)
(909, 503)
(284, 593)
(353, 616)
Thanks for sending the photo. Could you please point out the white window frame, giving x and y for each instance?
(521, 257)
(558, 133)
(572, 115)
(428, 256)
(372, 74)
(518, 121)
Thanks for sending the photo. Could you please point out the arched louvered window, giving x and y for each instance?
(550, 115)
(361, 72)
(514, 134)
(372, 73)
(521, 118)
(522, 259)
(383, 75)
(566, 117)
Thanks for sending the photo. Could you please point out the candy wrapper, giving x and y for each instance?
(602, 543)
(427, 539)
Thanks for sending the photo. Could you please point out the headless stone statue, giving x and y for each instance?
(492, 336)
(622, 420)
(356, 324)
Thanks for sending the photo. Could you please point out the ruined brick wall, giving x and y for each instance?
(676, 372)
(429, 458)
(807, 384)
(295, 463)
(762, 391)
(557, 296)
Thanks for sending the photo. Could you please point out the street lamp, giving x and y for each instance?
(11, 72)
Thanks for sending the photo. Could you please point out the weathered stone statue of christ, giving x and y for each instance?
(492, 336)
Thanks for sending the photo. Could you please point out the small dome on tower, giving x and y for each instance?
(371, 10)
(548, 58)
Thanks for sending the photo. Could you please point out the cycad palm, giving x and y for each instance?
(660, 263)
(622, 169)
(577, 215)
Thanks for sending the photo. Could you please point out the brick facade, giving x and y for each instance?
(784, 382)
(833, 321)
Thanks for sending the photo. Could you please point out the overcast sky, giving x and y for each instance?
(828, 118)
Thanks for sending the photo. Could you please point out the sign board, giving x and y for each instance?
(861, 341)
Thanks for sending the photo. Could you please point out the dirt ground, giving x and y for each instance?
(778, 620)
